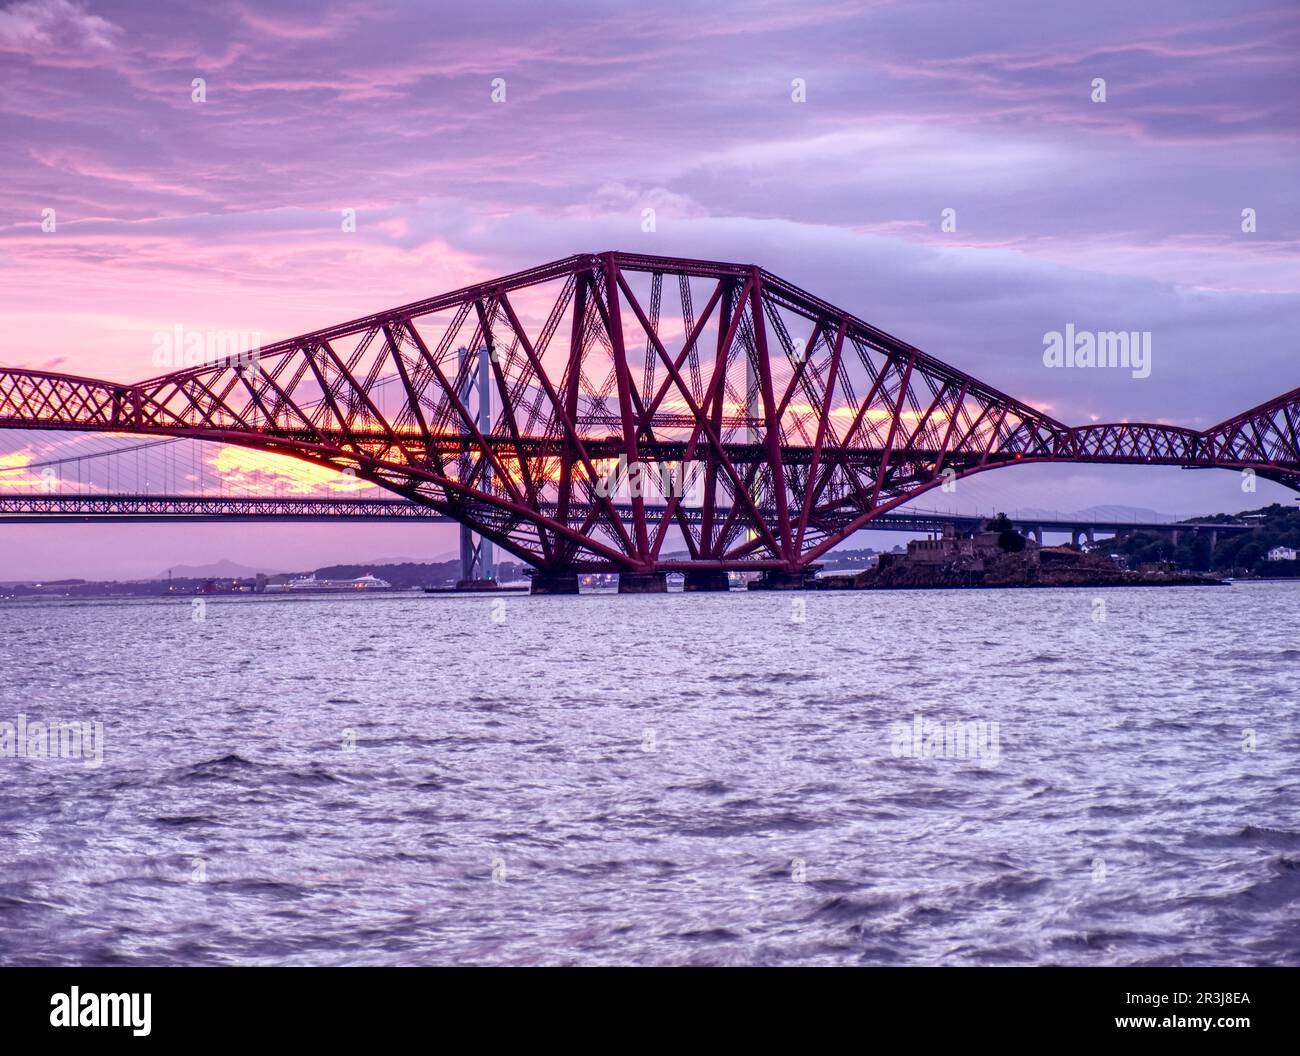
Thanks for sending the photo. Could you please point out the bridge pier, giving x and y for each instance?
(643, 582)
(554, 583)
(785, 579)
(711, 579)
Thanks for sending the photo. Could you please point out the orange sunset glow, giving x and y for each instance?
(264, 472)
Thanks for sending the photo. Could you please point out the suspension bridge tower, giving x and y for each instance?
(477, 567)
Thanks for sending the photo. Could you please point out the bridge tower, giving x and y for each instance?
(477, 566)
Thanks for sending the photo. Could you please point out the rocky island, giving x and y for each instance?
(998, 556)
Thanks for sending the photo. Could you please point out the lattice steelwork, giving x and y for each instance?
(801, 422)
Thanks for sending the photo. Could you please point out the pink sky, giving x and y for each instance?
(226, 214)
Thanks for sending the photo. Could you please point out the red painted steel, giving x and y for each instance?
(792, 459)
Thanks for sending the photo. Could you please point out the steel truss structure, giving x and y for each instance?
(796, 422)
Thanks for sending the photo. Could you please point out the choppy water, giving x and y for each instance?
(680, 779)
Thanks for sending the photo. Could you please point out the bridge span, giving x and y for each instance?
(192, 509)
(798, 422)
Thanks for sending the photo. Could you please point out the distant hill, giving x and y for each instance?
(1239, 553)
(400, 572)
(223, 569)
(427, 559)
(401, 576)
(1132, 514)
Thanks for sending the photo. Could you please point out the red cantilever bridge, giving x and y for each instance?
(798, 422)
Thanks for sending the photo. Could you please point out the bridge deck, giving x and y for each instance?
(107, 509)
